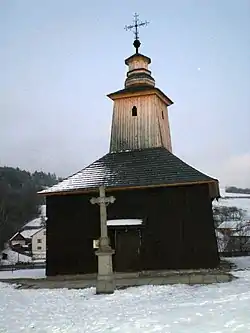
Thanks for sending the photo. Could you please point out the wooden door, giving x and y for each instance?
(127, 250)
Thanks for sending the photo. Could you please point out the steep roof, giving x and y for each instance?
(36, 223)
(132, 169)
(17, 236)
(27, 234)
(229, 225)
(39, 230)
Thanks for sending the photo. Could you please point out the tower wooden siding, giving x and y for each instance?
(178, 229)
(150, 128)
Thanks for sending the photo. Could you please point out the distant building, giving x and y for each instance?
(228, 227)
(10, 257)
(22, 239)
(233, 236)
(39, 245)
(31, 237)
(17, 240)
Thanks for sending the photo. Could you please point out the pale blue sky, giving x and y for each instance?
(59, 59)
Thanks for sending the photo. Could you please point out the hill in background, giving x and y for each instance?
(19, 201)
(234, 189)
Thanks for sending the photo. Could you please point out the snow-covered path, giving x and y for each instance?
(215, 308)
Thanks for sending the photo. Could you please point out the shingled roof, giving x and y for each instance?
(131, 169)
(139, 88)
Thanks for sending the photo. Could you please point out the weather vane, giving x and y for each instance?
(135, 26)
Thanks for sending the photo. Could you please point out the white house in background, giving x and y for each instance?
(233, 236)
(228, 227)
(39, 245)
(22, 238)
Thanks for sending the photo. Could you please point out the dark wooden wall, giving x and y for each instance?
(178, 229)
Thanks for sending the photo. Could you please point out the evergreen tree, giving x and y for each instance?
(19, 201)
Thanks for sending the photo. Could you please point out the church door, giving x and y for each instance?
(127, 250)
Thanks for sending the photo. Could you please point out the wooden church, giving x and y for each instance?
(162, 216)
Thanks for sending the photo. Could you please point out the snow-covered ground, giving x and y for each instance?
(240, 262)
(36, 273)
(217, 308)
(242, 203)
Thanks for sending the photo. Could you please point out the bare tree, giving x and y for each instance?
(224, 213)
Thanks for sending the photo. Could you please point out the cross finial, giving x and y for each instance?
(135, 26)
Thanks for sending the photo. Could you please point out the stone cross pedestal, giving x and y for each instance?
(105, 278)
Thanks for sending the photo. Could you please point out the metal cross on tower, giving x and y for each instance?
(135, 26)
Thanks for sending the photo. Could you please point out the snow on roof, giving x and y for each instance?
(234, 225)
(29, 233)
(38, 221)
(241, 233)
(123, 222)
(229, 225)
(17, 233)
(35, 223)
(14, 257)
(38, 230)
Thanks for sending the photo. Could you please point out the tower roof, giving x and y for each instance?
(136, 56)
(140, 90)
(153, 167)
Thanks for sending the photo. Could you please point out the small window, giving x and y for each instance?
(39, 240)
(39, 248)
(162, 114)
(44, 233)
(4, 256)
(134, 111)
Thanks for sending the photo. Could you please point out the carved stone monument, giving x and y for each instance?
(105, 278)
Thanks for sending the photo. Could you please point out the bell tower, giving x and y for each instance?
(140, 111)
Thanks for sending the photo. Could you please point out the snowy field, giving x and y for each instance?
(242, 203)
(217, 308)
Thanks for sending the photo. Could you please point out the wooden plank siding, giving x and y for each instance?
(178, 229)
(146, 130)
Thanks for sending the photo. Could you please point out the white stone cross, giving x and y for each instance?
(105, 278)
(103, 201)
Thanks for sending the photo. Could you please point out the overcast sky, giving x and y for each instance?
(59, 59)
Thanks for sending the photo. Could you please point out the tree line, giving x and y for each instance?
(224, 213)
(234, 189)
(19, 201)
